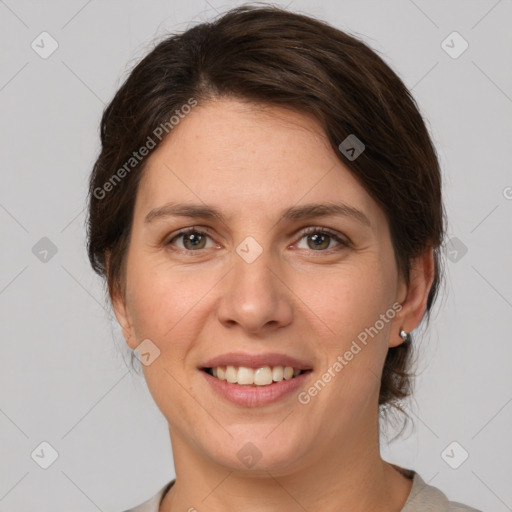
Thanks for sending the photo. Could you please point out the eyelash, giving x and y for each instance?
(308, 231)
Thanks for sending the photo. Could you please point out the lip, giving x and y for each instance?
(255, 396)
(256, 361)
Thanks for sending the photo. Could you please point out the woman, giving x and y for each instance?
(266, 211)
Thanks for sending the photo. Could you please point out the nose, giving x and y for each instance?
(255, 297)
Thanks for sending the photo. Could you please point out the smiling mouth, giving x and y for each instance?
(263, 376)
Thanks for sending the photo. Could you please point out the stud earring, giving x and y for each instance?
(404, 335)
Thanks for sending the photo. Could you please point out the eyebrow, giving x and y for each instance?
(303, 212)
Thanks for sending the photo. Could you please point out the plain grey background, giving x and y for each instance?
(64, 378)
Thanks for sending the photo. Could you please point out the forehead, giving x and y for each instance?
(238, 155)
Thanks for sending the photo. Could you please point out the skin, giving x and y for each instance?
(252, 162)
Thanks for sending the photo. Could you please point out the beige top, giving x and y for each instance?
(422, 498)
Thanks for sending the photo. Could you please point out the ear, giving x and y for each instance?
(118, 300)
(123, 318)
(413, 296)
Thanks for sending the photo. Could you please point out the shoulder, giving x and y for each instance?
(153, 503)
(426, 498)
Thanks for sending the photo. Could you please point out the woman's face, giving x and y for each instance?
(251, 288)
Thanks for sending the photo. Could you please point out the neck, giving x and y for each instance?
(352, 478)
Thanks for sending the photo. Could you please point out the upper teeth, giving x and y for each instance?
(260, 377)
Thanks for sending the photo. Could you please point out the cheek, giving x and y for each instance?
(356, 305)
(164, 301)
(350, 299)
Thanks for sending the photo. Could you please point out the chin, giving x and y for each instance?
(259, 451)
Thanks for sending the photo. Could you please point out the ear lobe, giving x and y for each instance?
(421, 277)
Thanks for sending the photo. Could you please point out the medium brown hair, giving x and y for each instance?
(271, 56)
